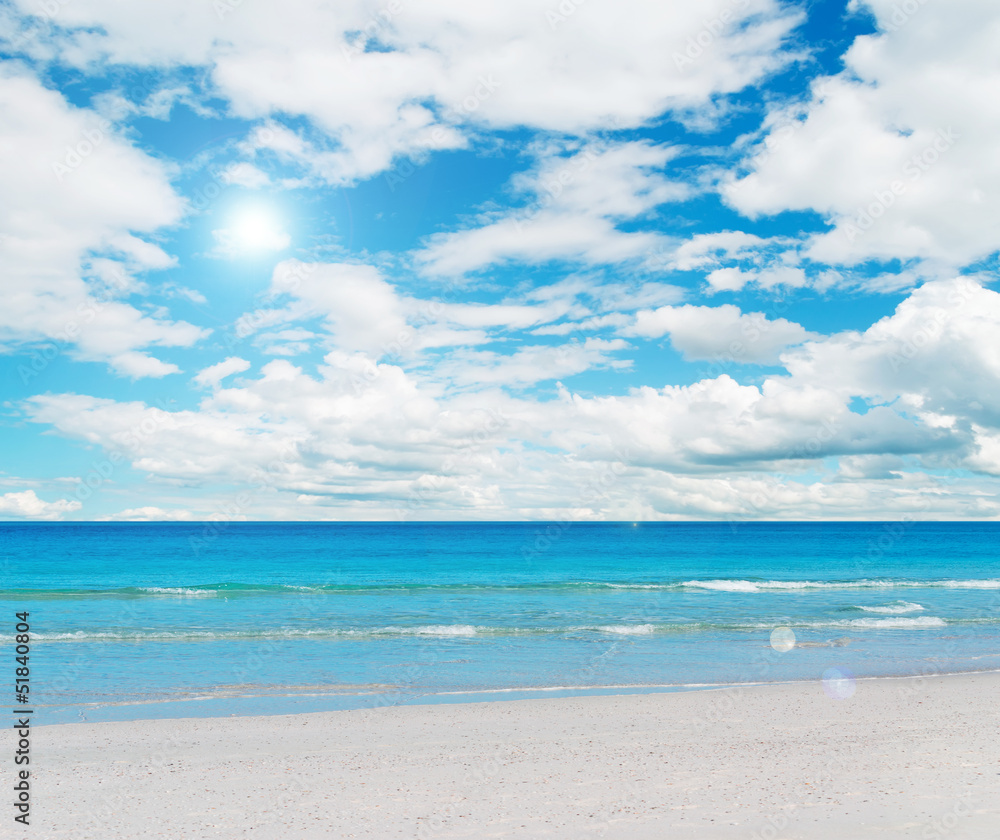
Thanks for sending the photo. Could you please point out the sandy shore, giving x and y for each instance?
(901, 758)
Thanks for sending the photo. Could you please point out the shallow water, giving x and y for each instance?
(151, 620)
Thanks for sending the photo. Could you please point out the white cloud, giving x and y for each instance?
(872, 466)
(624, 297)
(511, 316)
(576, 203)
(441, 66)
(150, 513)
(77, 198)
(533, 364)
(361, 311)
(362, 438)
(729, 279)
(362, 151)
(614, 320)
(26, 505)
(746, 498)
(707, 332)
(751, 259)
(897, 151)
(782, 275)
(156, 102)
(291, 342)
(245, 175)
(706, 249)
(936, 356)
(718, 426)
(172, 290)
(855, 424)
(211, 376)
(986, 457)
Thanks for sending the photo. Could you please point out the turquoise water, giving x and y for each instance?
(153, 620)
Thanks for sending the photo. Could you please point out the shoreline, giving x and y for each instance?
(228, 704)
(896, 758)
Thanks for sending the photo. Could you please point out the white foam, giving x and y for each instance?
(923, 621)
(858, 623)
(179, 590)
(771, 585)
(436, 630)
(899, 608)
(628, 629)
(126, 635)
(971, 584)
(632, 585)
(723, 585)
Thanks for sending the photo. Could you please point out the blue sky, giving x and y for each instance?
(530, 260)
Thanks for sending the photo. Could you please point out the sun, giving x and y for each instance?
(254, 230)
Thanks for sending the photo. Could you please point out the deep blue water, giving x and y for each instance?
(155, 619)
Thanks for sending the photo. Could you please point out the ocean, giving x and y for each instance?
(147, 620)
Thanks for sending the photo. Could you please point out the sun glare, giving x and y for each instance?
(256, 230)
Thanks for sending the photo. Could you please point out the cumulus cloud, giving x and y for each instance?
(576, 202)
(730, 279)
(359, 308)
(707, 332)
(364, 442)
(526, 383)
(718, 425)
(732, 259)
(872, 466)
(366, 436)
(26, 505)
(707, 249)
(150, 513)
(245, 175)
(78, 198)
(441, 67)
(936, 355)
(896, 151)
(211, 376)
(533, 364)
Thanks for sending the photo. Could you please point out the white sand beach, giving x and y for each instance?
(908, 758)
